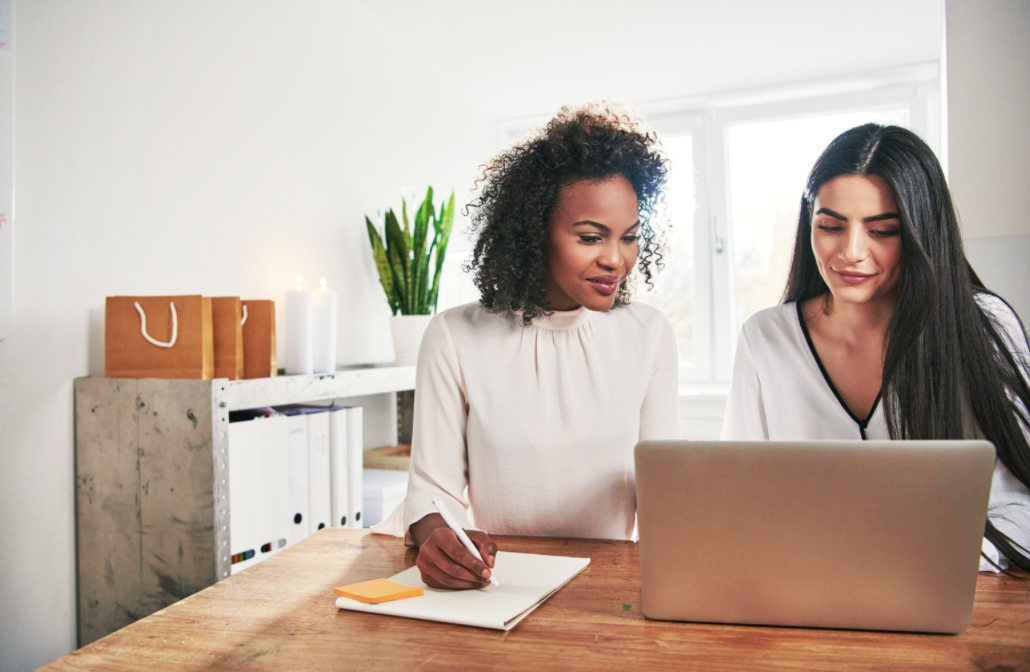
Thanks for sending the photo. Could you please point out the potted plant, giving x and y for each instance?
(404, 261)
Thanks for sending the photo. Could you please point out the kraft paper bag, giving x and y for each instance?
(259, 360)
(158, 337)
(226, 324)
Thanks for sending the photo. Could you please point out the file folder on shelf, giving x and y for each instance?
(319, 512)
(297, 477)
(258, 491)
(292, 475)
(318, 471)
(346, 463)
(355, 455)
(338, 471)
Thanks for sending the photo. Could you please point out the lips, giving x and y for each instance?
(852, 277)
(605, 284)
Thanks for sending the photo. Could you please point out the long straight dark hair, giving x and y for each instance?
(942, 349)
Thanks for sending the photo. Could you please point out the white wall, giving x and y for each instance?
(988, 82)
(189, 147)
(528, 57)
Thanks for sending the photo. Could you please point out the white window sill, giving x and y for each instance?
(701, 409)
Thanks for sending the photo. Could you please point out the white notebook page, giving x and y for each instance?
(526, 581)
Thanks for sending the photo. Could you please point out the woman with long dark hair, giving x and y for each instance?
(530, 401)
(885, 331)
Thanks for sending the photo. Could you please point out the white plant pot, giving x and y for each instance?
(407, 333)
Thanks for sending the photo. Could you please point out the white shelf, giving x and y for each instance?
(352, 381)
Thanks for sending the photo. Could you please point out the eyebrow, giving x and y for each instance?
(606, 229)
(868, 220)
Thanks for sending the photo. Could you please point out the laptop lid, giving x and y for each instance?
(881, 535)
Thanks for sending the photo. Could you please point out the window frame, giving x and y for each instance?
(708, 121)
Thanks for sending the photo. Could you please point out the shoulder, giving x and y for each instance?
(1004, 319)
(772, 323)
(638, 322)
(468, 324)
(649, 327)
(449, 333)
(996, 307)
(468, 316)
(640, 315)
(440, 330)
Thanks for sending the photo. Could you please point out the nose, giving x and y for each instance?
(610, 256)
(855, 248)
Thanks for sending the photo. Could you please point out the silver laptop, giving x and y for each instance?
(870, 535)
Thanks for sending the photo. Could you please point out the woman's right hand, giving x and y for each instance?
(444, 562)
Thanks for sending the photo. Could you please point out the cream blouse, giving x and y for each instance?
(780, 392)
(531, 430)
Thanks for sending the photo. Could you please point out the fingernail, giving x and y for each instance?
(486, 573)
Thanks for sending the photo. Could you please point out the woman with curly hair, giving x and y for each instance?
(531, 400)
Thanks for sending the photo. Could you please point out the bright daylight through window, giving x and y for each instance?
(737, 175)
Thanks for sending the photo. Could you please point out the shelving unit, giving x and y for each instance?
(152, 481)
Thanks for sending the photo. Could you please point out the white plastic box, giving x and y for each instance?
(383, 491)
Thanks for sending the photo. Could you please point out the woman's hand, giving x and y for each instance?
(444, 561)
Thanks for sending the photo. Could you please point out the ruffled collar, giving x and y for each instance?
(563, 320)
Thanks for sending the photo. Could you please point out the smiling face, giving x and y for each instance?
(594, 228)
(856, 238)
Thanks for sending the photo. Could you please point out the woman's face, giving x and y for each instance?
(856, 239)
(594, 228)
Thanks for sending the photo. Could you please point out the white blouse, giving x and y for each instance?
(780, 392)
(531, 430)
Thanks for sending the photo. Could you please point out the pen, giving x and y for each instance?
(448, 518)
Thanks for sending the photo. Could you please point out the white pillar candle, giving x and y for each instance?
(298, 330)
(324, 329)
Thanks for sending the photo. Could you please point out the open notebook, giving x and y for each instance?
(526, 581)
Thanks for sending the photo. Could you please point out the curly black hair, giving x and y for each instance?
(522, 184)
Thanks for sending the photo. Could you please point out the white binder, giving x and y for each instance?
(355, 463)
(258, 491)
(297, 476)
(338, 472)
(319, 494)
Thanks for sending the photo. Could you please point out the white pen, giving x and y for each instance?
(452, 523)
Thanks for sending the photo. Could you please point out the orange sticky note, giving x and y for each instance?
(376, 591)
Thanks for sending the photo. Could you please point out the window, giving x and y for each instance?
(676, 288)
(735, 186)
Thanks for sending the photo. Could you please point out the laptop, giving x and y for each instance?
(867, 535)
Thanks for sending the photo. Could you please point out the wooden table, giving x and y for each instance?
(280, 615)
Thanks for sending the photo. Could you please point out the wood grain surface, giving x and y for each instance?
(280, 615)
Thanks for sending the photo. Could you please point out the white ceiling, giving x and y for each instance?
(528, 57)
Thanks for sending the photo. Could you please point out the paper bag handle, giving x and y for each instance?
(244, 320)
(143, 327)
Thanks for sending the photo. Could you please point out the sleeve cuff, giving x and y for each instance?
(1000, 562)
(419, 504)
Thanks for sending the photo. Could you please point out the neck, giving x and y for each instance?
(556, 299)
(861, 319)
(563, 307)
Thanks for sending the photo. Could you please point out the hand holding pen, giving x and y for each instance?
(444, 560)
(455, 526)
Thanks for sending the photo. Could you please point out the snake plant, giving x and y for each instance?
(404, 261)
